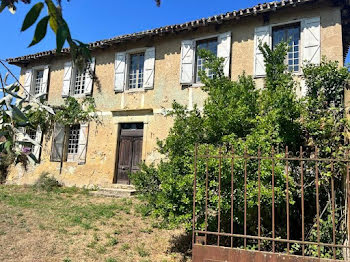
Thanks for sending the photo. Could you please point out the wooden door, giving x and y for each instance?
(129, 155)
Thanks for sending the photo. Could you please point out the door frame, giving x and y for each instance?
(119, 136)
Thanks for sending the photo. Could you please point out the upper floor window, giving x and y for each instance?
(191, 63)
(207, 44)
(79, 82)
(136, 68)
(76, 81)
(38, 83)
(291, 35)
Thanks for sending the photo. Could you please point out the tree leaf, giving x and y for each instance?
(61, 36)
(40, 31)
(2, 6)
(32, 16)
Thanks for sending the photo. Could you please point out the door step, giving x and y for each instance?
(114, 192)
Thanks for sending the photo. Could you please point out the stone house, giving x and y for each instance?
(141, 74)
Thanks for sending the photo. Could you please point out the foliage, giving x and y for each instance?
(237, 114)
(47, 183)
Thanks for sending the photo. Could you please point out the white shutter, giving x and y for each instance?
(19, 137)
(43, 90)
(67, 78)
(38, 139)
(311, 40)
(57, 149)
(28, 82)
(262, 36)
(187, 62)
(148, 75)
(120, 72)
(83, 139)
(89, 77)
(224, 51)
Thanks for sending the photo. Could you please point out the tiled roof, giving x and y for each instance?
(217, 19)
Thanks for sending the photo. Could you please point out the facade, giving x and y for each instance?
(138, 77)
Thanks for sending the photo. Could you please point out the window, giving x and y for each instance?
(291, 35)
(136, 70)
(38, 81)
(207, 44)
(79, 82)
(32, 134)
(73, 140)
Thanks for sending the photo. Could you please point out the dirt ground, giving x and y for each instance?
(72, 225)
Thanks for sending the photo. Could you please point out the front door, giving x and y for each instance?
(129, 151)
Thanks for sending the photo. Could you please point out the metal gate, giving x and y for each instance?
(270, 206)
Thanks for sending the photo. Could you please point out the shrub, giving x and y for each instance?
(47, 183)
(236, 113)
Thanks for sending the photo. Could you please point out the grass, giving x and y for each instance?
(68, 224)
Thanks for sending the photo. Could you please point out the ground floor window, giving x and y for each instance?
(69, 143)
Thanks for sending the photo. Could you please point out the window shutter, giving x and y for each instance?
(89, 77)
(120, 72)
(224, 50)
(262, 36)
(67, 78)
(38, 139)
(43, 90)
(19, 138)
(148, 75)
(57, 147)
(28, 82)
(311, 40)
(187, 62)
(82, 147)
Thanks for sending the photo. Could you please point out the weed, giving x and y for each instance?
(113, 242)
(111, 260)
(146, 230)
(117, 232)
(47, 183)
(142, 251)
(67, 260)
(125, 247)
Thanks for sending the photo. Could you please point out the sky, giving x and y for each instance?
(92, 20)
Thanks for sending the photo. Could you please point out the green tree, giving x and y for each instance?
(237, 116)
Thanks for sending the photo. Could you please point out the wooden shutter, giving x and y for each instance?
(38, 139)
(67, 78)
(28, 82)
(120, 72)
(57, 147)
(83, 139)
(187, 62)
(262, 36)
(148, 75)
(43, 90)
(311, 40)
(89, 77)
(224, 50)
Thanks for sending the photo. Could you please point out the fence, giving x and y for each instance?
(278, 202)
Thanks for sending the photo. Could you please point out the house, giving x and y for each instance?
(141, 74)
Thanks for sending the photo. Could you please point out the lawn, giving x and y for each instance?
(69, 224)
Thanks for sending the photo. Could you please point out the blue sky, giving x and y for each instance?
(90, 20)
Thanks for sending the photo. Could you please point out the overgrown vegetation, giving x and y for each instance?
(237, 115)
(47, 183)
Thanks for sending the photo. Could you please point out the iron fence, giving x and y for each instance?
(238, 201)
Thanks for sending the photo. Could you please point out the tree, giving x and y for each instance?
(238, 116)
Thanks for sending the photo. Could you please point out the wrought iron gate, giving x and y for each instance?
(263, 206)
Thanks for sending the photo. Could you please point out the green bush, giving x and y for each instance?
(237, 114)
(47, 183)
